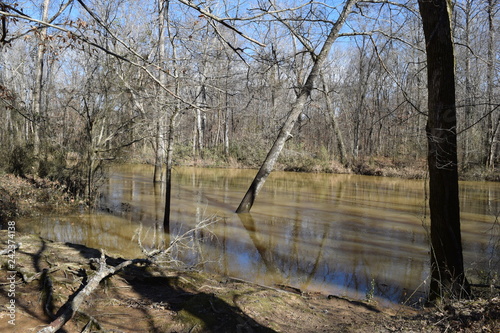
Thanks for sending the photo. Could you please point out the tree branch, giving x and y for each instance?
(221, 21)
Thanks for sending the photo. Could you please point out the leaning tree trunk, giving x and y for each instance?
(447, 267)
(297, 108)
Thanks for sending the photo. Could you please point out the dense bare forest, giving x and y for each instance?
(85, 82)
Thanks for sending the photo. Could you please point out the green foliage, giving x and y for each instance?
(21, 160)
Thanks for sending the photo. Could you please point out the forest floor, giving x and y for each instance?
(42, 275)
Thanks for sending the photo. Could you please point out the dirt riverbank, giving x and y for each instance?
(148, 298)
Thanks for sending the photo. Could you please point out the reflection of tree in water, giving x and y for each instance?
(286, 267)
(162, 233)
(263, 250)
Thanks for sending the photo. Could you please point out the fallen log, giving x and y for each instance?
(68, 310)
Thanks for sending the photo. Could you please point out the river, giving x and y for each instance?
(347, 235)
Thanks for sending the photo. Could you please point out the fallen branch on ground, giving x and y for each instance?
(67, 311)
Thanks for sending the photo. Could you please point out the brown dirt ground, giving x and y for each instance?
(154, 299)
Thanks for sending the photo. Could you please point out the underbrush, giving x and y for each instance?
(249, 153)
(25, 196)
(480, 173)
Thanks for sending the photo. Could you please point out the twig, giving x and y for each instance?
(178, 241)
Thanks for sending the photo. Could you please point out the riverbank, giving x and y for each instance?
(382, 167)
(149, 298)
(32, 196)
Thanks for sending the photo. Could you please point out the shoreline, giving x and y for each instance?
(150, 298)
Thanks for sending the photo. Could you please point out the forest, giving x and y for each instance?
(84, 83)
(375, 87)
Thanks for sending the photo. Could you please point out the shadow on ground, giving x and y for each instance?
(199, 311)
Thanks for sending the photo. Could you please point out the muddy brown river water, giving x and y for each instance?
(349, 235)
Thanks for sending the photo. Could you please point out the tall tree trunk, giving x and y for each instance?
(447, 267)
(336, 130)
(468, 85)
(492, 127)
(158, 147)
(200, 121)
(37, 90)
(171, 132)
(297, 108)
(226, 127)
(226, 114)
(199, 132)
(159, 139)
(169, 162)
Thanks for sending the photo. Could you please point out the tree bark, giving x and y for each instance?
(200, 122)
(469, 95)
(37, 90)
(447, 268)
(162, 77)
(491, 125)
(169, 163)
(297, 108)
(170, 140)
(336, 130)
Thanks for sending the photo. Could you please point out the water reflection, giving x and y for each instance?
(337, 234)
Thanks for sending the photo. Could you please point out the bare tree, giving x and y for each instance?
(159, 149)
(297, 109)
(37, 91)
(334, 123)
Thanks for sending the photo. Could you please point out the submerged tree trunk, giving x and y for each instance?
(447, 267)
(297, 108)
(170, 139)
(169, 162)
